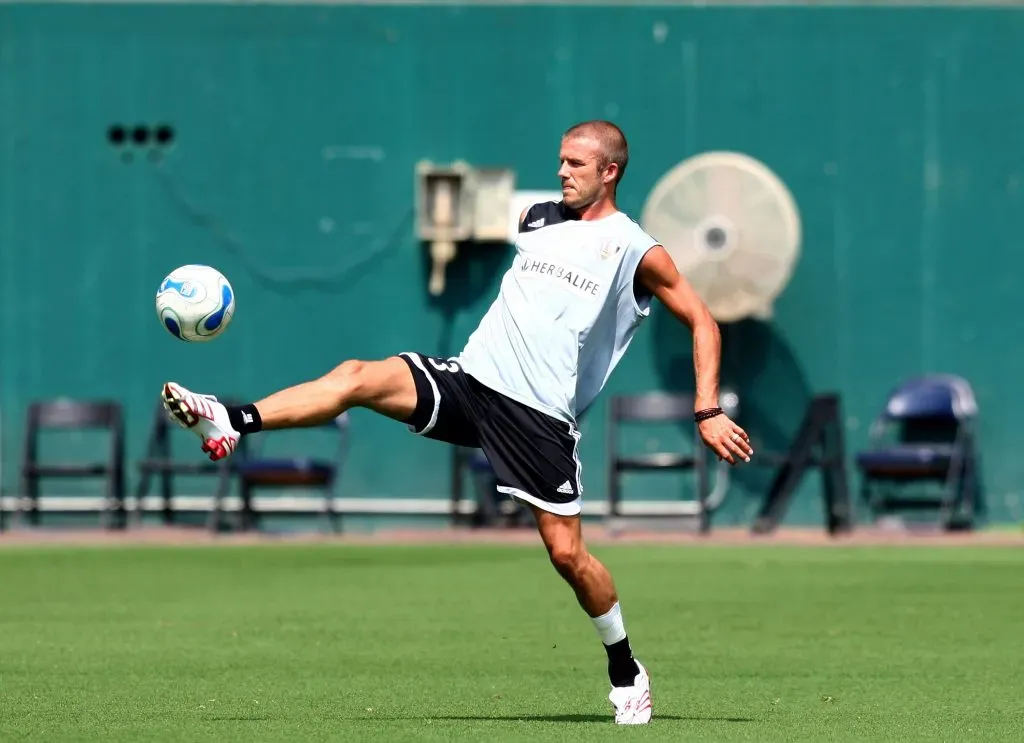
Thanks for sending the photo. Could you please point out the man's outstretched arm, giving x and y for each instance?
(659, 276)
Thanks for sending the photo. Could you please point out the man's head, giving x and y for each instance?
(593, 158)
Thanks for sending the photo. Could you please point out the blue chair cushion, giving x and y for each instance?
(907, 461)
(285, 471)
(479, 462)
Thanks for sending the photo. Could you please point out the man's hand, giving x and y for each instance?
(725, 438)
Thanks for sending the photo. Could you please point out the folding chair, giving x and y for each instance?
(256, 472)
(933, 419)
(490, 508)
(76, 415)
(159, 462)
(650, 408)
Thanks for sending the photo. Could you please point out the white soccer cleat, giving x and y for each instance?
(204, 416)
(633, 703)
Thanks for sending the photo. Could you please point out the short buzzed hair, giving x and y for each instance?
(614, 147)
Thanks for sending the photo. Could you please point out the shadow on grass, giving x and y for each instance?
(493, 718)
(559, 718)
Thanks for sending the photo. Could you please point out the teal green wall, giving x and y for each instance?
(900, 133)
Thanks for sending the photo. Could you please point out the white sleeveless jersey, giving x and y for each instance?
(566, 311)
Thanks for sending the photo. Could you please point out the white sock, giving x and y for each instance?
(609, 626)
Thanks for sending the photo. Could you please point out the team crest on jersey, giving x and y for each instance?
(609, 248)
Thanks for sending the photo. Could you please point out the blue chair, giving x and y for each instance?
(933, 419)
(255, 471)
(493, 509)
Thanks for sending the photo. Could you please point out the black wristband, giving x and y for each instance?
(703, 415)
(244, 418)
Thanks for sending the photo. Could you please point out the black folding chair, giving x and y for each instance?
(650, 408)
(159, 462)
(76, 415)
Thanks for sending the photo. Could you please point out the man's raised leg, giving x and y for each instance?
(387, 387)
(596, 594)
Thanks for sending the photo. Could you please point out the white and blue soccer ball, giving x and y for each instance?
(195, 303)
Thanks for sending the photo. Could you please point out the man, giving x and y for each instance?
(582, 281)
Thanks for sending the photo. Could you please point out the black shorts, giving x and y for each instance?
(535, 457)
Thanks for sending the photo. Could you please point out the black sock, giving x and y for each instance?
(622, 669)
(244, 418)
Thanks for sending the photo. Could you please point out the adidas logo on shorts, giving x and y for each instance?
(566, 487)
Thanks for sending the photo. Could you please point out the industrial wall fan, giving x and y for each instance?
(732, 228)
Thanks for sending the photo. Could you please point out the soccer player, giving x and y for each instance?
(582, 281)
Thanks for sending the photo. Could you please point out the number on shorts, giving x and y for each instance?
(446, 366)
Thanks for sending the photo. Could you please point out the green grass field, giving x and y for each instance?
(365, 643)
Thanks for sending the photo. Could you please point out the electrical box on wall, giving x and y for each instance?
(458, 203)
(444, 202)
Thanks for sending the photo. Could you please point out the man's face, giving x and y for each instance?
(583, 179)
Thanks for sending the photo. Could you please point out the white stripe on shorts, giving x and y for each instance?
(572, 508)
(415, 358)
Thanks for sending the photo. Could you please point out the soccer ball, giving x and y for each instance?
(195, 303)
